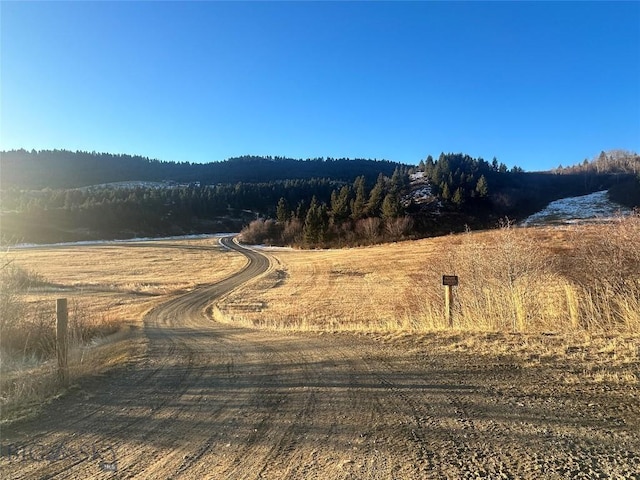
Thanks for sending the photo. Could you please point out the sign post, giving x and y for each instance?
(449, 281)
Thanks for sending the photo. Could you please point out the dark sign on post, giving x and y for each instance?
(450, 280)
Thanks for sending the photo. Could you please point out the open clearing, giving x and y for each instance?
(204, 399)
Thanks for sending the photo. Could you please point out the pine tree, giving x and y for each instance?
(282, 212)
(391, 207)
(376, 196)
(445, 192)
(396, 181)
(482, 187)
(429, 167)
(311, 231)
(340, 205)
(458, 197)
(358, 204)
(301, 210)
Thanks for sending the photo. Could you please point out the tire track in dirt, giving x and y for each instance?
(167, 368)
(469, 430)
(171, 329)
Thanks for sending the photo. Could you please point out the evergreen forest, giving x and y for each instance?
(58, 195)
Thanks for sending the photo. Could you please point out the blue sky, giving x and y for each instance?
(534, 84)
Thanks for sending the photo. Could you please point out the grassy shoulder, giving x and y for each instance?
(575, 358)
(27, 387)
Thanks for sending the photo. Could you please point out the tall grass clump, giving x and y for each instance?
(510, 280)
(28, 340)
(507, 282)
(13, 281)
(11, 306)
(29, 328)
(604, 276)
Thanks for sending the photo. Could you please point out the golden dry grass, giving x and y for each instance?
(568, 294)
(573, 279)
(109, 288)
(578, 286)
(119, 282)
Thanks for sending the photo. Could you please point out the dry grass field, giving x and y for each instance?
(109, 287)
(541, 293)
(539, 372)
(572, 279)
(538, 292)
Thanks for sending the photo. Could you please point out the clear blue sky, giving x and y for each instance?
(534, 84)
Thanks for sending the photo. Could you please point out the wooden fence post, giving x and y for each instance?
(62, 340)
(449, 281)
(448, 304)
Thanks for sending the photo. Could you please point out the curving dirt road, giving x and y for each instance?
(208, 400)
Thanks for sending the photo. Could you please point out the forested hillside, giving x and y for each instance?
(456, 191)
(64, 169)
(46, 197)
(107, 212)
(58, 195)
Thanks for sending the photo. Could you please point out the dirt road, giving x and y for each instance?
(208, 400)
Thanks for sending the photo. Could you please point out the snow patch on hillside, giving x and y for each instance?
(421, 192)
(594, 207)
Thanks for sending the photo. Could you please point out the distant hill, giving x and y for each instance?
(58, 195)
(65, 169)
(623, 165)
(613, 161)
(464, 191)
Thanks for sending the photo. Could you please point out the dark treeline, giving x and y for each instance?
(64, 169)
(103, 212)
(355, 214)
(359, 202)
(626, 191)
